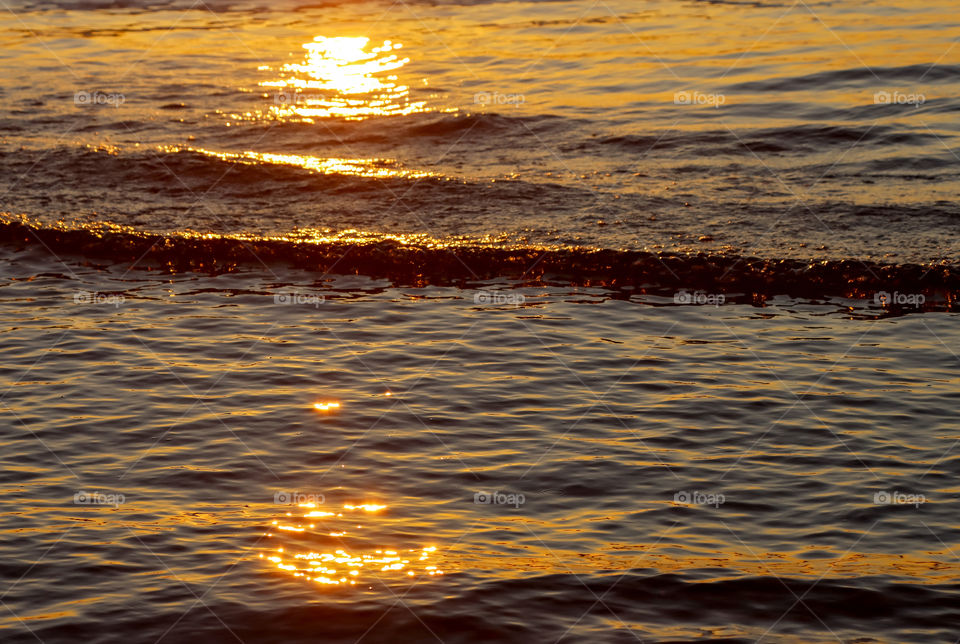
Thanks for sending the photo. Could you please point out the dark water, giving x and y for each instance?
(686, 472)
(539, 321)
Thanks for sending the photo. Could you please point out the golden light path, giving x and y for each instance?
(340, 565)
(341, 77)
(297, 235)
(372, 168)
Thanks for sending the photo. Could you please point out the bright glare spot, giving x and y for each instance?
(367, 507)
(344, 565)
(326, 406)
(342, 77)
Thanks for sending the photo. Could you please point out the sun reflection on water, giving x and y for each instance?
(371, 168)
(311, 555)
(342, 77)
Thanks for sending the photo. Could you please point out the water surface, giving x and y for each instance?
(277, 457)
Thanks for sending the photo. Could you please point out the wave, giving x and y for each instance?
(420, 261)
(730, 610)
(794, 139)
(852, 77)
(455, 126)
(185, 168)
(217, 6)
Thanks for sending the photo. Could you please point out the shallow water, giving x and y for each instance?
(478, 321)
(804, 130)
(678, 472)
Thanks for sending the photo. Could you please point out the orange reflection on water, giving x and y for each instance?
(341, 77)
(339, 567)
(318, 552)
(367, 507)
(315, 236)
(374, 168)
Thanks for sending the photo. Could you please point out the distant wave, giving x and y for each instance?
(860, 76)
(453, 126)
(206, 5)
(798, 139)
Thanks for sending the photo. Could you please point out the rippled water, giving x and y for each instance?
(478, 321)
(659, 471)
(803, 130)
